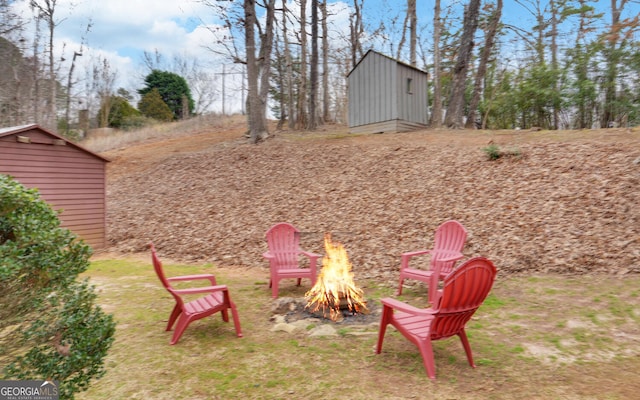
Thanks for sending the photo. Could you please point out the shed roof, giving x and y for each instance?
(390, 58)
(13, 130)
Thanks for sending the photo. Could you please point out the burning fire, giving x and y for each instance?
(335, 289)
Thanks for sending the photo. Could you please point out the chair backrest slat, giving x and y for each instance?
(465, 289)
(449, 236)
(283, 241)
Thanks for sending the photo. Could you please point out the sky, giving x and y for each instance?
(122, 30)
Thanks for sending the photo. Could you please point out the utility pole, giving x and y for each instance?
(224, 74)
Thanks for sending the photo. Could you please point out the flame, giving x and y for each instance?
(335, 286)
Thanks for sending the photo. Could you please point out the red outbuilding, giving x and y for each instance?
(69, 177)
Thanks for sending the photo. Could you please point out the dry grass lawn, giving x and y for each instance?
(536, 337)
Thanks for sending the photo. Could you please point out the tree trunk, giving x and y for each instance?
(356, 30)
(281, 83)
(313, 74)
(436, 114)
(325, 64)
(413, 31)
(410, 21)
(489, 41)
(613, 58)
(554, 62)
(289, 64)
(301, 121)
(255, 117)
(455, 108)
(46, 13)
(266, 47)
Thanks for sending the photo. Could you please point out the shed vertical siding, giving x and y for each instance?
(371, 86)
(69, 178)
(412, 106)
(378, 97)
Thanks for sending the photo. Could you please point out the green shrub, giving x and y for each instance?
(119, 111)
(151, 105)
(492, 151)
(50, 326)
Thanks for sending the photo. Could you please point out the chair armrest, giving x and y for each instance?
(204, 289)
(310, 254)
(211, 278)
(405, 257)
(410, 254)
(268, 255)
(406, 308)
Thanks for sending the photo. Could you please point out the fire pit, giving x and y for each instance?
(335, 291)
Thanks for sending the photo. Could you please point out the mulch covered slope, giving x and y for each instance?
(567, 205)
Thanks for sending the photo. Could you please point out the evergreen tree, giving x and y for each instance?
(173, 90)
(152, 106)
(119, 112)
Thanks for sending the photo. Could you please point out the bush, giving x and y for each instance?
(151, 105)
(50, 326)
(119, 111)
(492, 151)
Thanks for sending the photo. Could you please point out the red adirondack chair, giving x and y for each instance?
(447, 249)
(283, 241)
(216, 299)
(464, 291)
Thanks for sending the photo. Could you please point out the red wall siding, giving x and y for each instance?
(70, 179)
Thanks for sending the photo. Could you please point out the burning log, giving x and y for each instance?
(335, 289)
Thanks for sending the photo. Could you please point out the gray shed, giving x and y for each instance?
(386, 95)
(68, 177)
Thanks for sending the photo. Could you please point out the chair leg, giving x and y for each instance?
(387, 312)
(467, 347)
(274, 288)
(399, 292)
(299, 281)
(174, 315)
(236, 320)
(180, 328)
(225, 315)
(426, 350)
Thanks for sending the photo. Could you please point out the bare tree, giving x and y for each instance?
(313, 75)
(555, 20)
(103, 83)
(455, 108)
(15, 80)
(489, 40)
(11, 23)
(410, 23)
(70, 82)
(615, 40)
(301, 109)
(45, 11)
(325, 62)
(356, 28)
(289, 66)
(436, 114)
(413, 31)
(258, 68)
